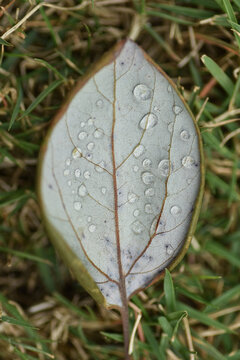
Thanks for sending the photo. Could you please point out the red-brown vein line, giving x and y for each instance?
(73, 228)
(122, 287)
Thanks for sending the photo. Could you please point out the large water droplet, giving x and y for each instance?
(164, 168)
(90, 146)
(82, 135)
(135, 168)
(188, 162)
(103, 190)
(66, 172)
(170, 126)
(77, 173)
(77, 205)
(99, 103)
(76, 153)
(147, 178)
(142, 92)
(101, 167)
(98, 133)
(92, 228)
(169, 249)
(138, 151)
(148, 121)
(136, 212)
(149, 192)
(148, 209)
(147, 163)
(175, 210)
(137, 227)
(82, 124)
(82, 190)
(177, 109)
(132, 197)
(185, 135)
(87, 174)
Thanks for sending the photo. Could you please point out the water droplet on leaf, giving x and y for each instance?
(99, 103)
(177, 109)
(148, 121)
(90, 121)
(92, 228)
(138, 151)
(147, 163)
(185, 135)
(148, 209)
(149, 192)
(98, 133)
(76, 153)
(101, 167)
(87, 174)
(188, 162)
(77, 205)
(77, 173)
(175, 210)
(104, 190)
(66, 172)
(170, 127)
(82, 135)
(137, 227)
(90, 146)
(142, 92)
(136, 212)
(147, 178)
(82, 190)
(164, 168)
(169, 249)
(132, 197)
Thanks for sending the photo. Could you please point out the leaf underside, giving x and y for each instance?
(121, 172)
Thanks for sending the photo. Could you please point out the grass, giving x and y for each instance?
(45, 47)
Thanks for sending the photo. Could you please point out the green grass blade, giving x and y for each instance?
(218, 74)
(151, 339)
(41, 97)
(24, 255)
(17, 106)
(174, 19)
(221, 301)
(222, 252)
(169, 292)
(232, 17)
(202, 318)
